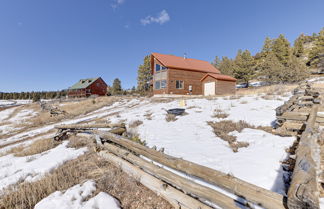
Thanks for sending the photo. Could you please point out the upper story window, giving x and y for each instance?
(158, 68)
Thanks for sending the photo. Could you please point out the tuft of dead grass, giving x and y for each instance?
(219, 113)
(148, 115)
(135, 123)
(108, 177)
(224, 127)
(170, 117)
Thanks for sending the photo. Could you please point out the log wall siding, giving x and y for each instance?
(225, 87)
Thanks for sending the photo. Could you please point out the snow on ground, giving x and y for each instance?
(191, 138)
(93, 115)
(74, 197)
(322, 203)
(30, 168)
(5, 103)
(10, 124)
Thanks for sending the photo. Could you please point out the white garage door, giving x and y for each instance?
(209, 88)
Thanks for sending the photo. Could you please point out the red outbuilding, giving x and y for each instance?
(88, 87)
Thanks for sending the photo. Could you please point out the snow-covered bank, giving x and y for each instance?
(30, 168)
(74, 198)
(191, 138)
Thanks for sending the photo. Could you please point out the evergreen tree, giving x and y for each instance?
(298, 49)
(217, 61)
(296, 70)
(267, 47)
(318, 50)
(116, 87)
(244, 66)
(226, 66)
(144, 75)
(271, 69)
(281, 48)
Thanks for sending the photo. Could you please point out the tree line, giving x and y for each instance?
(34, 95)
(277, 62)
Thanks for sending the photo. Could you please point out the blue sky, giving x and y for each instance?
(51, 44)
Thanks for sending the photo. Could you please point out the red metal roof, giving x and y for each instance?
(219, 77)
(172, 61)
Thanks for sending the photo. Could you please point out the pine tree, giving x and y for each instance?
(271, 70)
(226, 66)
(244, 66)
(144, 75)
(298, 49)
(267, 47)
(116, 87)
(217, 61)
(296, 70)
(318, 50)
(281, 48)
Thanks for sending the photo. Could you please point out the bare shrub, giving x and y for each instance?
(109, 179)
(170, 117)
(243, 102)
(37, 147)
(135, 124)
(219, 113)
(223, 128)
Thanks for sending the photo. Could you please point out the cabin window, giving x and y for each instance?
(179, 84)
(163, 84)
(157, 67)
(157, 84)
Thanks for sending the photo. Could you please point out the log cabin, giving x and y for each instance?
(186, 76)
(88, 87)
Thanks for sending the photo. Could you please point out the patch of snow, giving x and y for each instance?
(322, 203)
(191, 138)
(73, 198)
(31, 168)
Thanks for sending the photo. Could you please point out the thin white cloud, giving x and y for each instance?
(117, 3)
(161, 18)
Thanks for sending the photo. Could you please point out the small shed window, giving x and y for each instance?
(157, 85)
(179, 84)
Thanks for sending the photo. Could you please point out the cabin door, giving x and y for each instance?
(209, 88)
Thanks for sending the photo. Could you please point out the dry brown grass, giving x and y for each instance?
(273, 89)
(76, 141)
(219, 113)
(109, 179)
(135, 124)
(74, 109)
(170, 117)
(37, 147)
(223, 128)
